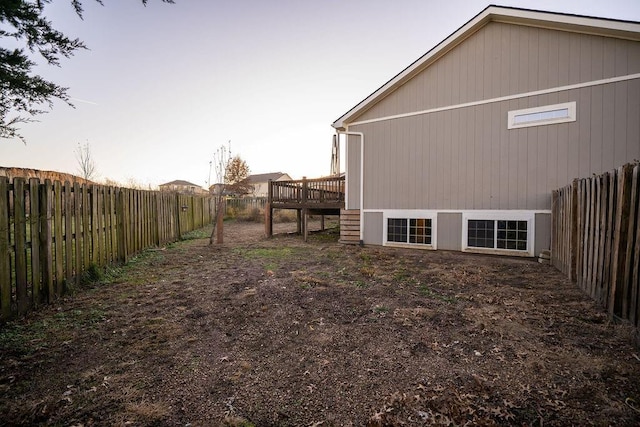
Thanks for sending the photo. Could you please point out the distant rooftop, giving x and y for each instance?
(264, 177)
(179, 182)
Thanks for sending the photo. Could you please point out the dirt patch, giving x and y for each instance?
(280, 332)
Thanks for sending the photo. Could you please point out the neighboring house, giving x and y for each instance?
(463, 148)
(180, 186)
(260, 183)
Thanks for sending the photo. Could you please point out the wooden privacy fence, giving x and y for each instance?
(52, 233)
(595, 238)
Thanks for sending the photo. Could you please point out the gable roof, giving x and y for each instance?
(551, 20)
(179, 182)
(264, 177)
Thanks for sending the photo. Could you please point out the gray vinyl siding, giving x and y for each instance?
(504, 59)
(467, 158)
(373, 227)
(542, 238)
(449, 231)
(353, 177)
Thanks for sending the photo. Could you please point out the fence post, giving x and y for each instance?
(46, 253)
(34, 225)
(574, 231)
(20, 223)
(178, 210)
(158, 217)
(5, 264)
(86, 235)
(620, 240)
(58, 239)
(220, 221)
(77, 222)
(120, 225)
(630, 229)
(611, 180)
(68, 234)
(634, 309)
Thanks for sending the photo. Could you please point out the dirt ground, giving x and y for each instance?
(279, 332)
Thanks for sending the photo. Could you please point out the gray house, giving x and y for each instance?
(260, 183)
(462, 149)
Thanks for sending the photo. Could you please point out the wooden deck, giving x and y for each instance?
(321, 196)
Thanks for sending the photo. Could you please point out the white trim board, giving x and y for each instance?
(502, 98)
(462, 211)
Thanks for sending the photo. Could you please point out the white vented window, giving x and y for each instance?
(409, 228)
(499, 231)
(539, 116)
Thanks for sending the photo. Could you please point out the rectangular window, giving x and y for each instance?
(420, 231)
(497, 234)
(397, 230)
(481, 233)
(539, 116)
(413, 230)
(512, 235)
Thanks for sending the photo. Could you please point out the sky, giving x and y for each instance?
(163, 87)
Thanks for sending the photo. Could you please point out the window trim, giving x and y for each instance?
(408, 215)
(569, 106)
(529, 217)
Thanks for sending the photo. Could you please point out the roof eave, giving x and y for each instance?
(566, 22)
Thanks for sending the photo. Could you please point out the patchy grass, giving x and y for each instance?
(29, 337)
(266, 253)
(428, 292)
(339, 335)
(202, 233)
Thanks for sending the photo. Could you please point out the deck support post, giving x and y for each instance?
(305, 211)
(305, 223)
(268, 220)
(220, 221)
(268, 211)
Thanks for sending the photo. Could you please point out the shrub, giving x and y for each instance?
(284, 215)
(251, 215)
(93, 274)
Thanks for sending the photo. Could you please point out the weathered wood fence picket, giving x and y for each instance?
(596, 238)
(52, 233)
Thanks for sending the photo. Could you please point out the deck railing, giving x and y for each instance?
(307, 191)
(323, 196)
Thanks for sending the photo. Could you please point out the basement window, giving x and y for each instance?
(539, 116)
(414, 231)
(497, 232)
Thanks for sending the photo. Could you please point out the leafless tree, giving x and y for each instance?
(86, 164)
(220, 162)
